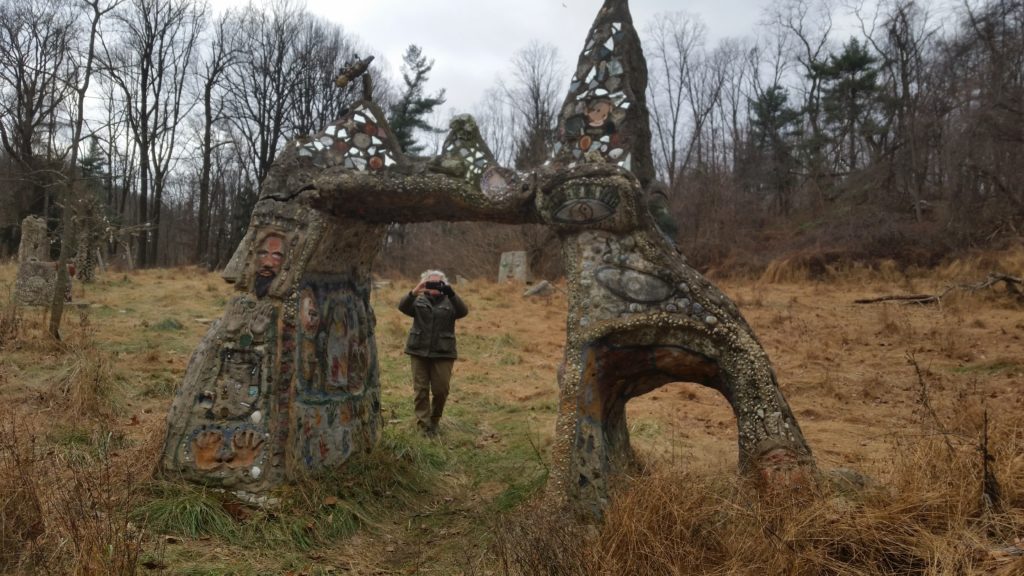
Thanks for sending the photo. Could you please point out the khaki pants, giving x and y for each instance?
(430, 376)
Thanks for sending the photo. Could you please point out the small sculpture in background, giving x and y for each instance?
(37, 274)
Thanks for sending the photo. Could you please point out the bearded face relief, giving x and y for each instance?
(270, 256)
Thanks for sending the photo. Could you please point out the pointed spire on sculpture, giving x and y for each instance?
(604, 117)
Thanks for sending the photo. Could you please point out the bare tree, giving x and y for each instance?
(322, 48)
(82, 71)
(221, 55)
(499, 125)
(808, 24)
(260, 90)
(151, 64)
(35, 45)
(535, 94)
(675, 42)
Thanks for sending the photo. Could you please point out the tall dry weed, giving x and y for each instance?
(58, 516)
(922, 513)
(543, 540)
(894, 322)
(87, 384)
(785, 271)
(93, 512)
(21, 514)
(10, 323)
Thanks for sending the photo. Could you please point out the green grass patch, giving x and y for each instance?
(186, 510)
(509, 359)
(83, 446)
(992, 367)
(168, 325)
(518, 492)
(159, 385)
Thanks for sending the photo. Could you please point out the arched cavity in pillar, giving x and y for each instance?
(627, 364)
(683, 425)
(614, 370)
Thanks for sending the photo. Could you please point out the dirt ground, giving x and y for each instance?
(858, 377)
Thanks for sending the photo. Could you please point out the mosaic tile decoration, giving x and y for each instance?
(594, 114)
(359, 141)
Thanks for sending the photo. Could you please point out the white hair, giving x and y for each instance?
(428, 273)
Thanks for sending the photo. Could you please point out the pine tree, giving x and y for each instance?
(409, 113)
(850, 95)
(774, 126)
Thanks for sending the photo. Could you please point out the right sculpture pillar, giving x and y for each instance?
(639, 317)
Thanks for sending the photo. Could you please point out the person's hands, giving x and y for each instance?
(419, 289)
(447, 290)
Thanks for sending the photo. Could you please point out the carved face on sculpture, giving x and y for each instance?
(598, 111)
(270, 257)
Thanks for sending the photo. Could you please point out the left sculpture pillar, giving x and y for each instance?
(286, 382)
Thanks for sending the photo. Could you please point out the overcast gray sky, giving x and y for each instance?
(472, 41)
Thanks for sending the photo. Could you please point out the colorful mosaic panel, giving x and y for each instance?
(360, 141)
(594, 112)
(334, 352)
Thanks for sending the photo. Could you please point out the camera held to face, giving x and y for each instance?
(434, 285)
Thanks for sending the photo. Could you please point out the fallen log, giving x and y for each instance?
(1013, 286)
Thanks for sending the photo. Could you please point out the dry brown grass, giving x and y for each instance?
(97, 405)
(922, 514)
(10, 323)
(86, 384)
(21, 516)
(63, 515)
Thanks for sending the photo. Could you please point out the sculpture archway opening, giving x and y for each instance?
(287, 382)
(683, 424)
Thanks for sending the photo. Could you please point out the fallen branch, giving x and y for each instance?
(1013, 286)
(908, 298)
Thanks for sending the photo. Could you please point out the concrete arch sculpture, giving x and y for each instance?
(286, 383)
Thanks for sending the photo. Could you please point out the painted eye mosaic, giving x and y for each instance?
(583, 211)
(596, 109)
(583, 205)
(358, 142)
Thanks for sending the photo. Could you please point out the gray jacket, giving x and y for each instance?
(433, 325)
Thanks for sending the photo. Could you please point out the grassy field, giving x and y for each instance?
(899, 393)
